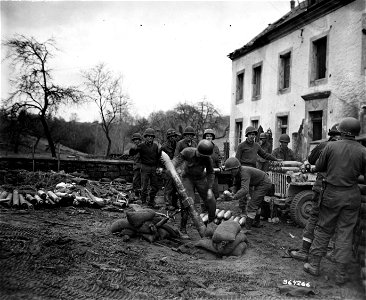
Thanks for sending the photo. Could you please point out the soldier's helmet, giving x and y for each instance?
(349, 126)
(205, 148)
(232, 163)
(150, 132)
(209, 131)
(250, 129)
(284, 138)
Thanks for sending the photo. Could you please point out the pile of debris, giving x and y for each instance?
(47, 192)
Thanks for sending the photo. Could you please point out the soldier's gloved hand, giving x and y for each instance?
(209, 194)
(159, 171)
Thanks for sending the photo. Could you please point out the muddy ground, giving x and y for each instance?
(69, 253)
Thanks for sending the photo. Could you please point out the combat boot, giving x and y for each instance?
(257, 221)
(303, 253)
(249, 223)
(341, 276)
(313, 265)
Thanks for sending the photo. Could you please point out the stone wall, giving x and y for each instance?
(94, 168)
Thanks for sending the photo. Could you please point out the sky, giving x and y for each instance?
(166, 52)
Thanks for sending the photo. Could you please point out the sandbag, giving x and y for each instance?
(226, 231)
(147, 227)
(174, 232)
(210, 229)
(206, 244)
(163, 234)
(149, 237)
(239, 250)
(137, 218)
(226, 248)
(120, 224)
(127, 231)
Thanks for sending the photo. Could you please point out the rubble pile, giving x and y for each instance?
(36, 190)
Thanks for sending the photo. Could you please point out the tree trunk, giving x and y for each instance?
(109, 145)
(48, 135)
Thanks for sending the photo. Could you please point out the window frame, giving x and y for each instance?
(281, 71)
(254, 84)
(238, 132)
(313, 70)
(237, 99)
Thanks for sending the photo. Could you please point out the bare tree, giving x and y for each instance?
(33, 83)
(105, 89)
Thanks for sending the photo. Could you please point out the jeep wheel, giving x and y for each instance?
(300, 207)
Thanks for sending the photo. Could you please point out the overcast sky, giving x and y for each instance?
(167, 52)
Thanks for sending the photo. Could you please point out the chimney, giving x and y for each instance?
(292, 4)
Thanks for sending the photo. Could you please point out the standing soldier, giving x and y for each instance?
(136, 183)
(245, 178)
(247, 151)
(195, 161)
(150, 158)
(170, 191)
(187, 140)
(263, 164)
(283, 152)
(209, 135)
(343, 162)
(308, 233)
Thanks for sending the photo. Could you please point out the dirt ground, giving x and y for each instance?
(69, 253)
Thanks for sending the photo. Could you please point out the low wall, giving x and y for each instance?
(94, 168)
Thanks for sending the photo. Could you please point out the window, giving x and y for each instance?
(255, 123)
(282, 124)
(257, 74)
(316, 118)
(238, 132)
(239, 87)
(285, 66)
(319, 56)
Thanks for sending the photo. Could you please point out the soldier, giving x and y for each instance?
(263, 164)
(136, 183)
(308, 233)
(283, 152)
(195, 161)
(209, 135)
(187, 140)
(247, 151)
(343, 162)
(170, 191)
(245, 178)
(150, 158)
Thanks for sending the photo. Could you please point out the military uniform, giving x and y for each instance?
(342, 161)
(247, 178)
(247, 154)
(194, 178)
(284, 154)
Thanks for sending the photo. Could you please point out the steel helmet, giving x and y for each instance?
(349, 126)
(149, 131)
(171, 132)
(284, 138)
(205, 148)
(209, 131)
(334, 130)
(232, 163)
(189, 130)
(263, 136)
(136, 136)
(250, 129)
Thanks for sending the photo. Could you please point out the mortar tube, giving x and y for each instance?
(187, 201)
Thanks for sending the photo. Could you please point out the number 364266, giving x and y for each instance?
(296, 282)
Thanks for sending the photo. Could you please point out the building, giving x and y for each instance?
(302, 74)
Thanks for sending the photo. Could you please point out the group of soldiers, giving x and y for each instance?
(195, 164)
(336, 196)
